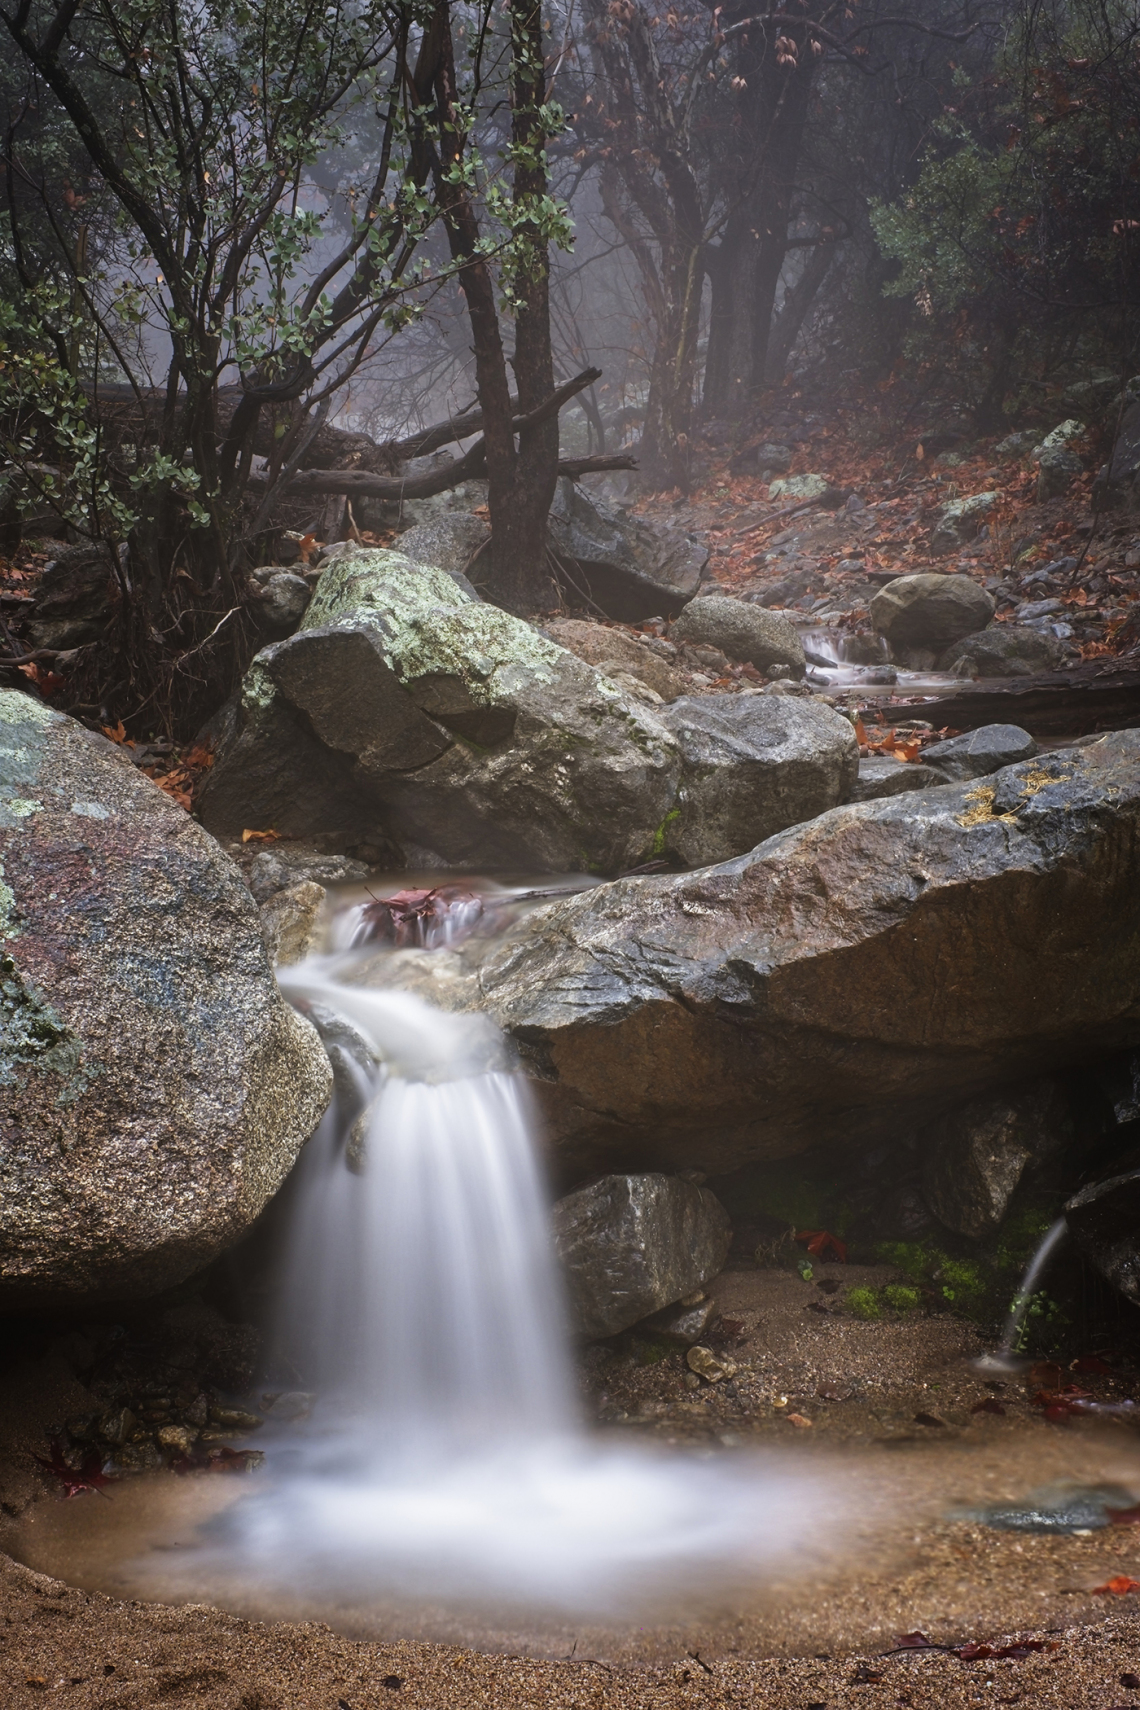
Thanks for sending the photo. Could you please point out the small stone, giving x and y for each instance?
(959, 521)
(682, 1324)
(712, 1367)
(692, 1381)
(198, 1411)
(81, 1428)
(116, 1427)
(291, 1405)
(178, 1439)
(800, 487)
(137, 1457)
(235, 1418)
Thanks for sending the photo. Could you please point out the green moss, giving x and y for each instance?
(661, 835)
(962, 1282)
(863, 1302)
(900, 1298)
(916, 1260)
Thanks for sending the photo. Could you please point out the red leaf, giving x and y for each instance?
(90, 1475)
(818, 1242)
(989, 1405)
(1118, 1587)
(1124, 1516)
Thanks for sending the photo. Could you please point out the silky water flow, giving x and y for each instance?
(445, 1459)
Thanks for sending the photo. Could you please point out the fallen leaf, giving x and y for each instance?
(117, 733)
(1124, 1516)
(90, 1475)
(799, 1420)
(1118, 1587)
(1088, 1364)
(260, 836)
(818, 1241)
(47, 682)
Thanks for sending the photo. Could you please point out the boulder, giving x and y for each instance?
(632, 1244)
(878, 778)
(1120, 474)
(447, 542)
(615, 650)
(799, 488)
(742, 631)
(1057, 462)
(979, 752)
(74, 597)
(844, 978)
(928, 610)
(754, 764)
(630, 568)
(1105, 1220)
(1017, 445)
(280, 597)
(292, 922)
(958, 522)
(976, 1156)
(156, 1087)
(403, 707)
(1004, 650)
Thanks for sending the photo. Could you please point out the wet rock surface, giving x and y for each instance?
(979, 752)
(616, 650)
(156, 1087)
(841, 975)
(1105, 1220)
(753, 765)
(1004, 650)
(631, 1244)
(878, 778)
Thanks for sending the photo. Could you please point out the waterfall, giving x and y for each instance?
(445, 1459)
(1006, 1358)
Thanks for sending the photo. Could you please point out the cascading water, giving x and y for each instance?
(445, 1459)
(1005, 1357)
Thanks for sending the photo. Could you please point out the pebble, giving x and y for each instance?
(712, 1367)
(179, 1439)
(235, 1419)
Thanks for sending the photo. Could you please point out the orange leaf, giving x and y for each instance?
(818, 1241)
(1118, 1587)
(260, 836)
(860, 732)
(117, 733)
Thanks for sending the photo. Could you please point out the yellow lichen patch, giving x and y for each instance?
(982, 812)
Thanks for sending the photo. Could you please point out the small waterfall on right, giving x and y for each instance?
(1005, 1357)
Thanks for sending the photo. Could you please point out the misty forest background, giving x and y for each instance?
(247, 246)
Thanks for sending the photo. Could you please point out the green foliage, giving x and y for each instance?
(863, 1303)
(902, 1299)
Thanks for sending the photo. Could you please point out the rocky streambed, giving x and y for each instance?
(813, 1087)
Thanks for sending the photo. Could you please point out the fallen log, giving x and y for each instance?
(394, 489)
(1075, 703)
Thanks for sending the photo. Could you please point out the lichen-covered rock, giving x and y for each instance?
(631, 568)
(958, 522)
(632, 1244)
(155, 1088)
(930, 610)
(742, 631)
(754, 764)
(616, 650)
(832, 983)
(979, 752)
(974, 1157)
(403, 705)
(799, 487)
(1004, 650)
(1057, 462)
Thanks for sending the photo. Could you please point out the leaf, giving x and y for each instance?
(916, 1642)
(260, 836)
(818, 1242)
(90, 1475)
(1123, 1516)
(1120, 1586)
(117, 733)
(989, 1405)
(47, 682)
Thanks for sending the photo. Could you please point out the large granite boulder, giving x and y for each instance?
(630, 1245)
(155, 1089)
(930, 610)
(630, 568)
(753, 765)
(1004, 650)
(403, 707)
(742, 631)
(848, 976)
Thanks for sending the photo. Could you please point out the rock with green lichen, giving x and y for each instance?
(154, 1087)
(403, 705)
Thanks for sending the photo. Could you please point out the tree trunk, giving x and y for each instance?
(794, 311)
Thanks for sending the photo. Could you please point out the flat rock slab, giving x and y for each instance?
(155, 1088)
(869, 968)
